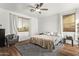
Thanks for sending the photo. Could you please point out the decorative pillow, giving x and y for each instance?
(53, 33)
(48, 33)
(10, 36)
(41, 33)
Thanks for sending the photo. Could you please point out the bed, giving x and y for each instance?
(45, 41)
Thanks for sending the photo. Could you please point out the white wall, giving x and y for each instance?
(4, 20)
(49, 24)
(33, 26)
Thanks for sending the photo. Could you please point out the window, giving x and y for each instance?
(69, 23)
(22, 24)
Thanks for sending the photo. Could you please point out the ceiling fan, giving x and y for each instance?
(38, 8)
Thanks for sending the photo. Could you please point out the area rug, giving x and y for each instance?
(35, 50)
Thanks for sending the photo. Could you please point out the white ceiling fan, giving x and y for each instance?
(37, 8)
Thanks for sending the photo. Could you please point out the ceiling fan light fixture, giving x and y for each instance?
(38, 10)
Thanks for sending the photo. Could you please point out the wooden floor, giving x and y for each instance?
(69, 50)
(12, 50)
(9, 51)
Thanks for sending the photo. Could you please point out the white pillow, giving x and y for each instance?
(51, 33)
(48, 33)
(54, 33)
(59, 34)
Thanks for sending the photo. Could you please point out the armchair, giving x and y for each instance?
(11, 39)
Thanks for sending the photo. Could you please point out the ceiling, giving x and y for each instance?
(53, 8)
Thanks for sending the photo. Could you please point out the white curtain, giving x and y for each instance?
(13, 23)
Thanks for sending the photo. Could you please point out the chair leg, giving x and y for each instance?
(7, 45)
(53, 46)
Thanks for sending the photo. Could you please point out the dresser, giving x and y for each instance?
(2, 37)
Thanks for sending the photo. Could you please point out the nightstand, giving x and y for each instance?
(68, 38)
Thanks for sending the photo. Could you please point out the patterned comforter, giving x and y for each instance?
(43, 40)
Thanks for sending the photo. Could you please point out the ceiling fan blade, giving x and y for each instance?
(40, 12)
(30, 6)
(41, 4)
(32, 10)
(37, 6)
(44, 9)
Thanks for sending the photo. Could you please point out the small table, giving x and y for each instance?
(69, 38)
